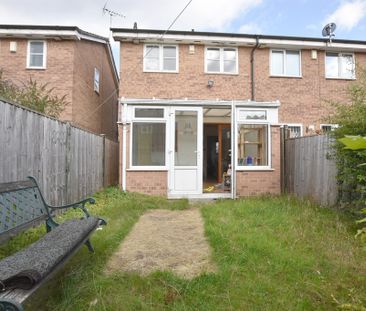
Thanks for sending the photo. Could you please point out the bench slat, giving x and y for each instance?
(16, 185)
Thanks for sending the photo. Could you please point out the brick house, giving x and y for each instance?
(201, 112)
(74, 63)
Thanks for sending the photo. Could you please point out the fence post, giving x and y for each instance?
(103, 161)
(67, 162)
(282, 158)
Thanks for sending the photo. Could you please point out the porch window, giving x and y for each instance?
(221, 60)
(340, 65)
(36, 56)
(285, 63)
(148, 144)
(162, 58)
(253, 145)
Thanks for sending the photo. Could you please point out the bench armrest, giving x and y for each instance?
(80, 204)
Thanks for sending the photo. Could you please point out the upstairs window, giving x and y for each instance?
(162, 58)
(285, 63)
(221, 60)
(96, 80)
(339, 65)
(36, 56)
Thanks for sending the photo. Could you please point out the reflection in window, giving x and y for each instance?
(36, 54)
(253, 145)
(339, 65)
(285, 63)
(161, 58)
(221, 60)
(148, 144)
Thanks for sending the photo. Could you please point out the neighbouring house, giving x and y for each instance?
(201, 112)
(72, 62)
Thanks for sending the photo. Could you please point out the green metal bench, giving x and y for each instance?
(22, 206)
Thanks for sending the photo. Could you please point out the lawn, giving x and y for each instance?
(271, 253)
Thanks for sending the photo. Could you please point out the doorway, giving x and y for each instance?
(216, 158)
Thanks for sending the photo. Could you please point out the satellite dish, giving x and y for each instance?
(328, 30)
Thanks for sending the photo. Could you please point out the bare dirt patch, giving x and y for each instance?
(165, 240)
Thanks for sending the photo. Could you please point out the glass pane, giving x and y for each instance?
(331, 65)
(252, 115)
(148, 144)
(149, 113)
(169, 64)
(185, 138)
(213, 54)
(347, 66)
(151, 64)
(252, 145)
(152, 51)
(294, 131)
(230, 54)
(225, 149)
(36, 47)
(36, 61)
(169, 51)
(229, 66)
(213, 65)
(293, 63)
(277, 63)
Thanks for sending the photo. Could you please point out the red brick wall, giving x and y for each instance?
(58, 73)
(252, 183)
(93, 111)
(303, 100)
(70, 71)
(148, 182)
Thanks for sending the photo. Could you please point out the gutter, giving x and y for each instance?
(252, 76)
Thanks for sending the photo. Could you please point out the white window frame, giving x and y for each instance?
(269, 147)
(339, 65)
(96, 80)
(148, 121)
(44, 55)
(221, 50)
(300, 125)
(161, 58)
(332, 126)
(285, 63)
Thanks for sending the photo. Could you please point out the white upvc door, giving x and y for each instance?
(185, 151)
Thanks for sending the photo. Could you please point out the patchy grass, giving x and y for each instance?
(271, 254)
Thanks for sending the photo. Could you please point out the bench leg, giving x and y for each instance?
(7, 305)
(89, 246)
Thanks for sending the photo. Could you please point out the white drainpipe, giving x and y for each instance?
(124, 145)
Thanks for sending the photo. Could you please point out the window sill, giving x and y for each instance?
(160, 71)
(222, 73)
(254, 169)
(289, 77)
(36, 68)
(345, 79)
(147, 169)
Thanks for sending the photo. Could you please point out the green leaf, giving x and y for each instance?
(353, 142)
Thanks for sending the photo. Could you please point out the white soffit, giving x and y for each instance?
(235, 41)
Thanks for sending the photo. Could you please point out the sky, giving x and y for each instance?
(270, 17)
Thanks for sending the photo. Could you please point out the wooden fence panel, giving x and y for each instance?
(309, 171)
(67, 161)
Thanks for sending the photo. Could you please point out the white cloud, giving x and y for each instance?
(348, 14)
(214, 15)
(252, 28)
(312, 27)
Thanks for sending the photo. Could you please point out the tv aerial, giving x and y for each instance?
(111, 13)
(328, 31)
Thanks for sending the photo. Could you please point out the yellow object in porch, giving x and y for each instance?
(209, 189)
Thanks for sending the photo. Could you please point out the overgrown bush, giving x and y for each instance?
(33, 95)
(351, 119)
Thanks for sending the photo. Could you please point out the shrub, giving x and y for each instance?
(33, 95)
